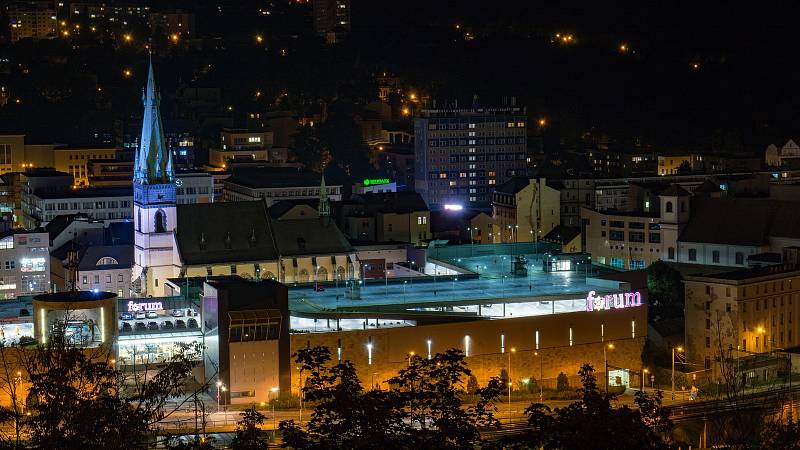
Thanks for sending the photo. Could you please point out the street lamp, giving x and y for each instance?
(471, 242)
(605, 358)
(541, 375)
(509, 380)
(274, 419)
(674, 349)
(219, 400)
(410, 355)
(644, 374)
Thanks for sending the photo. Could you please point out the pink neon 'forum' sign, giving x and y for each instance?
(613, 301)
(145, 306)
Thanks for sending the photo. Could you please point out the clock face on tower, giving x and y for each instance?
(178, 182)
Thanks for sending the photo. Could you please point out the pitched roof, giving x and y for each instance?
(707, 186)
(210, 233)
(393, 202)
(741, 221)
(562, 234)
(90, 255)
(278, 209)
(513, 185)
(675, 191)
(227, 232)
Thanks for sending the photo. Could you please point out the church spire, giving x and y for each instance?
(324, 207)
(153, 160)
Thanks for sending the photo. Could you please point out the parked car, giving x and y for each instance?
(140, 326)
(152, 326)
(126, 316)
(151, 314)
(180, 324)
(126, 327)
(177, 313)
(140, 315)
(192, 323)
(319, 288)
(167, 325)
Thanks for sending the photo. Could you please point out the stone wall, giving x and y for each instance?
(590, 332)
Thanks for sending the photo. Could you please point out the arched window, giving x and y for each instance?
(106, 261)
(161, 221)
(669, 207)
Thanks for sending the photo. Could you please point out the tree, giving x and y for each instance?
(601, 425)
(344, 416)
(74, 399)
(310, 150)
(665, 291)
(423, 410)
(431, 388)
(77, 398)
(562, 382)
(504, 377)
(249, 436)
(777, 436)
(684, 168)
(532, 385)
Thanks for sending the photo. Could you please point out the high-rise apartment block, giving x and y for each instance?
(32, 19)
(461, 155)
(332, 19)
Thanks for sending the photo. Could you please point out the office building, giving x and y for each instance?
(273, 184)
(634, 240)
(240, 146)
(462, 155)
(25, 268)
(741, 313)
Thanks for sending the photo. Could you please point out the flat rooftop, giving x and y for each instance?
(493, 284)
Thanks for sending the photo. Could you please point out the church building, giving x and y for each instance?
(227, 238)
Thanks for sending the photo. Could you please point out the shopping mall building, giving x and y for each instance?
(245, 333)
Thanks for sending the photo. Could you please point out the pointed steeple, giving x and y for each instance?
(324, 207)
(153, 160)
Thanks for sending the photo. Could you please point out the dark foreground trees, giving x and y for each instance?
(594, 422)
(67, 397)
(423, 409)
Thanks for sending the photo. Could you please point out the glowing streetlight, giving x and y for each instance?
(623, 48)
(542, 122)
(174, 38)
(513, 350)
(259, 38)
(678, 349)
(605, 358)
(127, 37)
(127, 73)
(406, 111)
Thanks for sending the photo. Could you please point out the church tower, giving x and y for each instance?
(154, 202)
(324, 207)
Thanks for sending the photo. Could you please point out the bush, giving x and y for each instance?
(472, 385)
(562, 382)
(504, 377)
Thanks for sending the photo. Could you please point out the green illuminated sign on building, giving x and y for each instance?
(375, 181)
